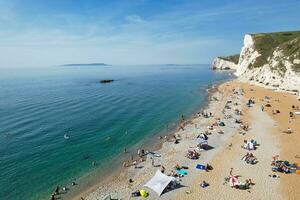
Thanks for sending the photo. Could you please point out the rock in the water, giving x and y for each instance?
(106, 81)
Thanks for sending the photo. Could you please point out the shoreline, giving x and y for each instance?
(121, 175)
(156, 145)
(117, 186)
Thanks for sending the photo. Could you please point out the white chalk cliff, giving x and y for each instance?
(222, 64)
(271, 60)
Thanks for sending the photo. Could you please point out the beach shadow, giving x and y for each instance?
(207, 147)
(171, 189)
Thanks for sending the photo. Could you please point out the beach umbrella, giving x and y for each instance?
(232, 180)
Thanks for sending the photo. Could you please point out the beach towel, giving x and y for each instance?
(199, 166)
(181, 172)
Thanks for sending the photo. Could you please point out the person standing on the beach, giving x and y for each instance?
(139, 152)
(134, 164)
(262, 108)
(152, 161)
(57, 190)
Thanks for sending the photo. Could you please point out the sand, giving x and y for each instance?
(226, 152)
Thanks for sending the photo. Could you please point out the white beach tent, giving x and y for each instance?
(201, 141)
(159, 182)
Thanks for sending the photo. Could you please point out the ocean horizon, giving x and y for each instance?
(60, 124)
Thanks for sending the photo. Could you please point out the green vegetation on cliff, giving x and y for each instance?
(233, 58)
(286, 42)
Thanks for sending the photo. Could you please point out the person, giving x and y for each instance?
(57, 190)
(245, 157)
(135, 164)
(275, 158)
(94, 163)
(73, 183)
(125, 150)
(181, 127)
(142, 152)
(131, 157)
(52, 197)
(262, 108)
(177, 167)
(230, 172)
(152, 161)
(204, 184)
(162, 169)
(289, 130)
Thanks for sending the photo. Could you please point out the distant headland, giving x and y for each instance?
(84, 64)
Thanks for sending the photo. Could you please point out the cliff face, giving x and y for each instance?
(268, 59)
(271, 60)
(223, 63)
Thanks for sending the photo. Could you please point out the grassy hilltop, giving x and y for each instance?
(286, 42)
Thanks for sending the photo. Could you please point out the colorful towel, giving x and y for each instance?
(181, 172)
(200, 167)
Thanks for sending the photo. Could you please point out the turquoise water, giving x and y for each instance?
(39, 106)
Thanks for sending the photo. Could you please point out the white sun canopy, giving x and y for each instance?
(201, 141)
(159, 182)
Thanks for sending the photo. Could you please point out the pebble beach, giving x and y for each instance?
(224, 150)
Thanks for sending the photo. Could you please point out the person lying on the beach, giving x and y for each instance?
(204, 184)
(244, 126)
(249, 145)
(174, 174)
(244, 186)
(192, 154)
(249, 158)
(283, 166)
(238, 121)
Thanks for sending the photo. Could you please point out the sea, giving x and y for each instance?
(60, 125)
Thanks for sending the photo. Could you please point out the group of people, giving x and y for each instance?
(192, 154)
(59, 191)
(281, 166)
(249, 145)
(249, 158)
(233, 181)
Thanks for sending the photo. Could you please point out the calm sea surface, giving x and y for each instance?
(39, 106)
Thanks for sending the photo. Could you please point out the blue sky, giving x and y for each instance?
(43, 33)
